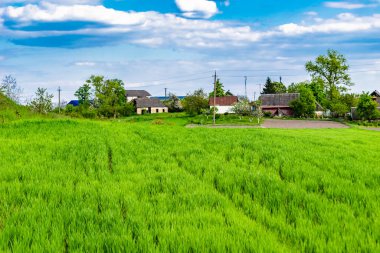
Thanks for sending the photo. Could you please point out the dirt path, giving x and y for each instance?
(221, 126)
(295, 124)
(372, 128)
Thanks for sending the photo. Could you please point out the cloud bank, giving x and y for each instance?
(48, 24)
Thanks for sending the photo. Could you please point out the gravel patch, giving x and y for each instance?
(301, 124)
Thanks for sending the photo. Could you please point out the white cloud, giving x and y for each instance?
(61, 2)
(155, 29)
(347, 5)
(85, 64)
(197, 8)
(344, 23)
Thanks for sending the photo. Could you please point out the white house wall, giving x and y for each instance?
(224, 109)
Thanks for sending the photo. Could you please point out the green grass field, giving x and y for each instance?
(153, 185)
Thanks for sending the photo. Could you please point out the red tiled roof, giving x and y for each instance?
(223, 101)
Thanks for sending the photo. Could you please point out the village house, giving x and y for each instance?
(375, 97)
(134, 94)
(224, 104)
(278, 104)
(149, 105)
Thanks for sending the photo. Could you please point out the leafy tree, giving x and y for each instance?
(332, 71)
(173, 103)
(315, 86)
(219, 90)
(304, 106)
(84, 95)
(109, 95)
(10, 88)
(42, 103)
(242, 108)
(271, 87)
(367, 108)
(195, 102)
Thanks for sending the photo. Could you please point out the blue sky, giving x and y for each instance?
(177, 44)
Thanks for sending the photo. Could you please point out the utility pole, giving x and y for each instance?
(165, 92)
(254, 96)
(214, 98)
(59, 99)
(245, 85)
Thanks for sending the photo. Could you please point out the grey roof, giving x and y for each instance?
(137, 93)
(148, 102)
(375, 93)
(276, 100)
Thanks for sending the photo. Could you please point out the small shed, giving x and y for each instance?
(278, 104)
(149, 105)
(223, 104)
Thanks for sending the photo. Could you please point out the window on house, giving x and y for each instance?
(157, 110)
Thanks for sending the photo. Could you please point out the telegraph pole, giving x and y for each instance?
(245, 86)
(214, 98)
(59, 99)
(254, 96)
(165, 92)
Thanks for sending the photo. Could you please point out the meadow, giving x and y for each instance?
(141, 185)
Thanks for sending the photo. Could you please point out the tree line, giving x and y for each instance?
(327, 90)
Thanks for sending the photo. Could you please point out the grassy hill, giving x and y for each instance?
(86, 186)
(10, 111)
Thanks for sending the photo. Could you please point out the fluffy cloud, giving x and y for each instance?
(49, 24)
(344, 23)
(347, 5)
(197, 8)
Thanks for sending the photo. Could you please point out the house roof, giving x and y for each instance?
(148, 102)
(223, 101)
(375, 93)
(278, 100)
(137, 93)
(73, 102)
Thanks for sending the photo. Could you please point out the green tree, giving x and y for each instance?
(10, 88)
(367, 108)
(219, 90)
(332, 71)
(173, 103)
(242, 108)
(42, 103)
(304, 106)
(195, 102)
(84, 95)
(271, 87)
(315, 86)
(109, 95)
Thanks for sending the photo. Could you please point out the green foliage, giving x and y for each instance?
(173, 103)
(42, 103)
(84, 95)
(304, 106)
(367, 108)
(271, 87)
(332, 71)
(242, 108)
(219, 90)
(109, 95)
(80, 186)
(195, 102)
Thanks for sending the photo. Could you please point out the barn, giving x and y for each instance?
(278, 104)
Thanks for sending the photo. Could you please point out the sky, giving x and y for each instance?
(179, 44)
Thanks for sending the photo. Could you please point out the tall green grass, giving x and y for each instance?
(68, 186)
